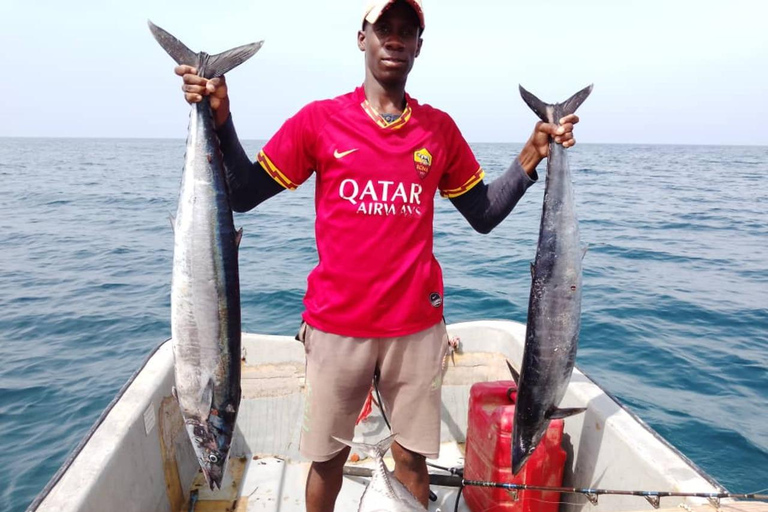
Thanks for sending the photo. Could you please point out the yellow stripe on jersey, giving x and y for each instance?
(394, 125)
(373, 114)
(400, 121)
(273, 171)
(471, 182)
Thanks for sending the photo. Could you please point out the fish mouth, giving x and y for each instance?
(211, 451)
(212, 464)
(213, 474)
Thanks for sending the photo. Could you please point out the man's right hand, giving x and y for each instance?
(196, 87)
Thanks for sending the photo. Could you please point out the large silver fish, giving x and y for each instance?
(384, 492)
(205, 291)
(554, 308)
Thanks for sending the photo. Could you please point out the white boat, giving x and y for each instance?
(137, 457)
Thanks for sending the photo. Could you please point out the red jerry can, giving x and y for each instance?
(489, 458)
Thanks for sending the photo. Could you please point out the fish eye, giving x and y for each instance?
(213, 458)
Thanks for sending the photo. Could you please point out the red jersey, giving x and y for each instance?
(376, 184)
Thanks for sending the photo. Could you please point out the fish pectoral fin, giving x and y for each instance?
(207, 395)
(584, 249)
(513, 372)
(559, 414)
(175, 48)
(532, 270)
(221, 63)
(173, 222)
(238, 237)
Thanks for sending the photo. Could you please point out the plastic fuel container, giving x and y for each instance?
(489, 457)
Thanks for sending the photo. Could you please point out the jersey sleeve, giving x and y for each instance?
(462, 169)
(289, 156)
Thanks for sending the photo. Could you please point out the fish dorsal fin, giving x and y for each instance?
(225, 61)
(175, 48)
(515, 375)
(559, 414)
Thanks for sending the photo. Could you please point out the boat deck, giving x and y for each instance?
(270, 484)
(139, 454)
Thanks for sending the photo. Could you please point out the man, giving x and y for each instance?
(374, 301)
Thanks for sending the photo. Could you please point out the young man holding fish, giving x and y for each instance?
(374, 302)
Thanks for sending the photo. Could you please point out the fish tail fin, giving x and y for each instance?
(175, 48)
(541, 109)
(375, 451)
(545, 111)
(574, 102)
(230, 59)
(214, 65)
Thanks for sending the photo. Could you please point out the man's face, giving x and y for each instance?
(391, 44)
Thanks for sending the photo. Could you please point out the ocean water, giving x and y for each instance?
(675, 305)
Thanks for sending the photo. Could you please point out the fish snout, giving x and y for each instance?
(519, 457)
(522, 448)
(213, 471)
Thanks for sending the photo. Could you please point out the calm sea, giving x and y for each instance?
(675, 312)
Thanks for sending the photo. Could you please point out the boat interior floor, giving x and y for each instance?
(269, 484)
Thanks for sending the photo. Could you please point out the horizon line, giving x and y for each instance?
(50, 137)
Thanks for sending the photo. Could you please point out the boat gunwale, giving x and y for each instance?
(67, 463)
(706, 476)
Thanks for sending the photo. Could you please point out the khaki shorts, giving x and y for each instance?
(338, 377)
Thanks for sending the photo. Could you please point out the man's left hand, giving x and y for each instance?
(562, 134)
(537, 147)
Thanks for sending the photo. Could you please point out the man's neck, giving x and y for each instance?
(385, 99)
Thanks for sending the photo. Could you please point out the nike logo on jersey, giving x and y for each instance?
(344, 153)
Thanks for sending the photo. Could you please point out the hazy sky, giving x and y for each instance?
(671, 71)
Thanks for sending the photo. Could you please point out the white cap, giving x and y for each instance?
(374, 8)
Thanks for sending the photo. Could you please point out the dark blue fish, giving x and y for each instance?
(554, 308)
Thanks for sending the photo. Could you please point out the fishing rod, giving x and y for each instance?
(653, 497)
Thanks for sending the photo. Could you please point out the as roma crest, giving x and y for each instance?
(422, 159)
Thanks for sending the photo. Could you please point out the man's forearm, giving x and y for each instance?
(530, 159)
(248, 183)
(485, 206)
